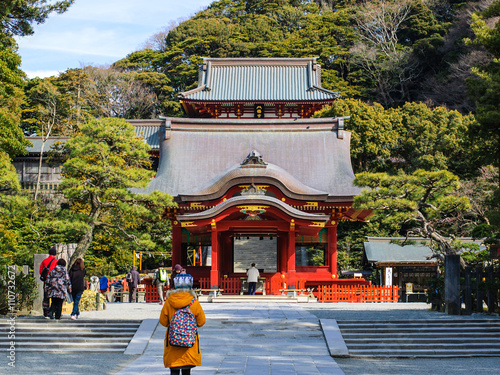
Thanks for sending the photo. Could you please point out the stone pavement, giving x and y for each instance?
(250, 339)
(225, 353)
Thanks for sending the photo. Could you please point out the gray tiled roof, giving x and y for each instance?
(193, 157)
(37, 143)
(384, 251)
(380, 249)
(260, 80)
(147, 129)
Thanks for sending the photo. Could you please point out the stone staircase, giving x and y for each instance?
(425, 338)
(257, 299)
(68, 335)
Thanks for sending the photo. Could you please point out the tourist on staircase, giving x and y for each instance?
(49, 263)
(76, 275)
(57, 284)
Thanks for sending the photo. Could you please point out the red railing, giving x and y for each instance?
(358, 293)
(276, 285)
(231, 285)
(205, 282)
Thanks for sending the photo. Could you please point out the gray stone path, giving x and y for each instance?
(253, 362)
(250, 339)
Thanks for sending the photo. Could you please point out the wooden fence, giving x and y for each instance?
(231, 285)
(358, 293)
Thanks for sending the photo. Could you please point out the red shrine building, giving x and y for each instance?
(256, 180)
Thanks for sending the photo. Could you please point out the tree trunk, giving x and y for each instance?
(82, 246)
(87, 237)
(37, 188)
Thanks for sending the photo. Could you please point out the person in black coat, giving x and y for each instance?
(77, 275)
(133, 279)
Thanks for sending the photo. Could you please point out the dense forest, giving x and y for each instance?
(420, 80)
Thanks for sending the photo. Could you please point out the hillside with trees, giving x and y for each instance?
(418, 78)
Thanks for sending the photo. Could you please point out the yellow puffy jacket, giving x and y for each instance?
(174, 356)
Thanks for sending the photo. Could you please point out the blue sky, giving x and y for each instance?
(98, 32)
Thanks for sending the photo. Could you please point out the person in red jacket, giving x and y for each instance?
(50, 262)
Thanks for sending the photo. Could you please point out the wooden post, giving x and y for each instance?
(479, 293)
(176, 243)
(468, 292)
(214, 272)
(332, 248)
(291, 259)
(491, 290)
(452, 284)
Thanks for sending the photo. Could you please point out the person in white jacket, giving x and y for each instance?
(253, 277)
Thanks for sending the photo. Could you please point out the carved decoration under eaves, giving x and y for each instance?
(253, 190)
(253, 160)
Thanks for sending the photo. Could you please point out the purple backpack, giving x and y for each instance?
(183, 328)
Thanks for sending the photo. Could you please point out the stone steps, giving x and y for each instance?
(433, 338)
(68, 335)
(256, 298)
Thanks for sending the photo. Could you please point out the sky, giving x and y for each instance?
(98, 32)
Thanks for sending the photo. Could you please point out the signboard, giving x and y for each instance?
(258, 111)
(388, 276)
(409, 287)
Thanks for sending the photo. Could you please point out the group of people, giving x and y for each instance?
(180, 296)
(162, 281)
(59, 282)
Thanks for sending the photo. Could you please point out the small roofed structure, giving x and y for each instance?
(257, 88)
(383, 252)
(411, 266)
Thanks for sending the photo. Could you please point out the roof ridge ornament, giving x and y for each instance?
(253, 160)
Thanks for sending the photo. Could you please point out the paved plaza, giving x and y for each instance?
(255, 339)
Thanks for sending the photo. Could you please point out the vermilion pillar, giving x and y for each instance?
(332, 248)
(176, 243)
(214, 271)
(291, 257)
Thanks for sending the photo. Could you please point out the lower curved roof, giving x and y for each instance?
(267, 173)
(253, 200)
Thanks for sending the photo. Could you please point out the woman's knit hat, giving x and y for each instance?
(183, 282)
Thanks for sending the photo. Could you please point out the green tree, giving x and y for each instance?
(410, 137)
(434, 139)
(8, 175)
(12, 81)
(374, 136)
(105, 161)
(485, 87)
(425, 202)
(18, 16)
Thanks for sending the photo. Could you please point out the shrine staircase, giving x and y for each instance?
(422, 338)
(38, 334)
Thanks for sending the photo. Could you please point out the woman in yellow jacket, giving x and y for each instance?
(174, 357)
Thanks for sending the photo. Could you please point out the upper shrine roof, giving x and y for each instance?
(260, 80)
